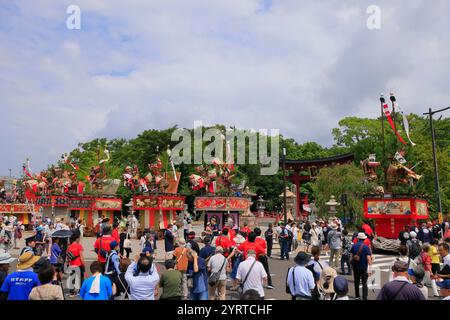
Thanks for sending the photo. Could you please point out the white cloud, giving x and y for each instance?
(298, 66)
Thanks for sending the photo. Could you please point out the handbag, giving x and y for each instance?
(288, 290)
(103, 253)
(127, 242)
(356, 257)
(213, 279)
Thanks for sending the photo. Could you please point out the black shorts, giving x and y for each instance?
(435, 267)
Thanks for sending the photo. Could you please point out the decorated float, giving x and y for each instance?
(221, 200)
(389, 210)
(57, 193)
(156, 201)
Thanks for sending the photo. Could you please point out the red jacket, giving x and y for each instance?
(224, 242)
(367, 229)
(115, 235)
(246, 246)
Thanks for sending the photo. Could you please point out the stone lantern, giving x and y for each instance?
(260, 206)
(291, 203)
(332, 204)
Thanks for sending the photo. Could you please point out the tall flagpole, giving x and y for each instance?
(393, 100)
(383, 160)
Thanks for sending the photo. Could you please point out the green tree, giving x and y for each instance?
(343, 179)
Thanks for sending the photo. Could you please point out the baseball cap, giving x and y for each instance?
(113, 244)
(418, 273)
(340, 285)
(444, 284)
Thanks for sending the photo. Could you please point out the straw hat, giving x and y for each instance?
(27, 260)
(326, 280)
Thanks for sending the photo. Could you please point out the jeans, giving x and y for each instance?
(345, 259)
(359, 275)
(284, 249)
(199, 296)
(269, 246)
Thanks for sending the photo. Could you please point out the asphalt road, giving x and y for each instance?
(278, 269)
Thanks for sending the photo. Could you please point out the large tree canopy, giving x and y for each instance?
(362, 136)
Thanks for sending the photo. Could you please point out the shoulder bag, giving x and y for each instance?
(213, 279)
(241, 285)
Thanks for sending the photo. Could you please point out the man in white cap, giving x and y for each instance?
(361, 258)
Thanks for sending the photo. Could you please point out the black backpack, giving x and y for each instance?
(414, 249)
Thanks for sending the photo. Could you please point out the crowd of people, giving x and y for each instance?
(198, 267)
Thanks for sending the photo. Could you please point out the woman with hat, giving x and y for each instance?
(18, 285)
(5, 260)
(325, 285)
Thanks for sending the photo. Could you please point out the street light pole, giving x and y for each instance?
(285, 185)
(433, 145)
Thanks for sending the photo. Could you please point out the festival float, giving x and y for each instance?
(58, 193)
(389, 210)
(156, 201)
(12, 201)
(222, 200)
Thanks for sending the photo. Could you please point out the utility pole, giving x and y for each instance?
(285, 185)
(433, 145)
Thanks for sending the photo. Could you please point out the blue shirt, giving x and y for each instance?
(303, 279)
(19, 284)
(56, 251)
(200, 278)
(105, 289)
(363, 263)
(207, 251)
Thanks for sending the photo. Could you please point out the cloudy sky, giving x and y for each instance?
(298, 66)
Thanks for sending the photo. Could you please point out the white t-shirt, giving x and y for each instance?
(255, 277)
(174, 230)
(295, 233)
(446, 260)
